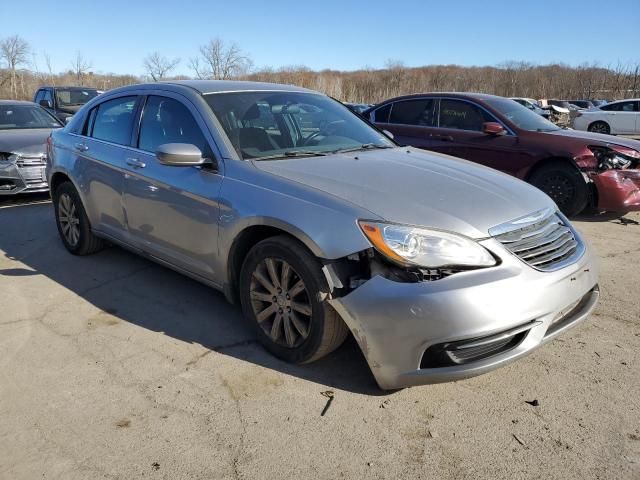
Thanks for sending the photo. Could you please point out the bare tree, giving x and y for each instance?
(80, 66)
(47, 61)
(220, 61)
(158, 66)
(14, 51)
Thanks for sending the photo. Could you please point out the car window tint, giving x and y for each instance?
(382, 114)
(166, 120)
(419, 112)
(462, 115)
(114, 119)
(619, 107)
(39, 96)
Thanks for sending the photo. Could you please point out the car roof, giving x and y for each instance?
(625, 100)
(64, 87)
(467, 95)
(16, 102)
(220, 86)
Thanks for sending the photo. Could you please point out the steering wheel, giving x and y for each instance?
(324, 130)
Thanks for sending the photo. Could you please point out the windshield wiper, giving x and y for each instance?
(365, 146)
(292, 154)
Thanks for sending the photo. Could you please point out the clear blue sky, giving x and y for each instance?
(339, 34)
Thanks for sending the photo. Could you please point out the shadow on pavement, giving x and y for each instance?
(140, 292)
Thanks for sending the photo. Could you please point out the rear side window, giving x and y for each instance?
(114, 120)
(166, 120)
(414, 112)
(619, 107)
(462, 115)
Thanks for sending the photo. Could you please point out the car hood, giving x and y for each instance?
(599, 138)
(24, 141)
(410, 186)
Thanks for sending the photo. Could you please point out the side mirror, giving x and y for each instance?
(68, 119)
(388, 134)
(45, 103)
(180, 155)
(493, 128)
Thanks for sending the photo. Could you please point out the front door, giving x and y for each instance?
(462, 121)
(172, 212)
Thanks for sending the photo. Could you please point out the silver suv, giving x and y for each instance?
(318, 224)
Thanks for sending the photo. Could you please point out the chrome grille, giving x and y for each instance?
(30, 162)
(544, 240)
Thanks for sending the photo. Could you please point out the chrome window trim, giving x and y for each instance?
(509, 131)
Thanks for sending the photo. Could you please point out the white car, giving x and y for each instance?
(621, 117)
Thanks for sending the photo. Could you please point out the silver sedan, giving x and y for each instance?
(24, 128)
(319, 225)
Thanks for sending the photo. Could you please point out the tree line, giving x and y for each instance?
(21, 73)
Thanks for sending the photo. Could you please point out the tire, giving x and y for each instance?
(564, 184)
(304, 311)
(69, 213)
(599, 127)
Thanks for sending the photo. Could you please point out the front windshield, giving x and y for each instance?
(74, 97)
(268, 125)
(521, 116)
(16, 117)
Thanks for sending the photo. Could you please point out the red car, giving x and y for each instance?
(576, 169)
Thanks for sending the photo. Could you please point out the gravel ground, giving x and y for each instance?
(114, 367)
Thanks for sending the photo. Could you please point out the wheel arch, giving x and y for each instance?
(57, 178)
(599, 120)
(549, 161)
(249, 236)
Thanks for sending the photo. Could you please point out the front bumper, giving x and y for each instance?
(23, 176)
(618, 190)
(395, 323)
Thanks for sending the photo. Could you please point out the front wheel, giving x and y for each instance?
(72, 221)
(599, 127)
(565, 185)
(282, 291)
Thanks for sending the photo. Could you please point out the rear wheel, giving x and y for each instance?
(281, 291)
(565, 185)
(72, 221)
(599, 127)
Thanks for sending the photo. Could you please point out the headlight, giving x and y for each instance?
(414, 246)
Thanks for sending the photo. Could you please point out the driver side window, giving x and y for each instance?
(165, 120)
(462, 115)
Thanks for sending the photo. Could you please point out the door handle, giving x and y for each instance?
(444, 138)
(135, 163)
(81, 147)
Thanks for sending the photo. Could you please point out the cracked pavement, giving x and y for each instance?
(114, 367)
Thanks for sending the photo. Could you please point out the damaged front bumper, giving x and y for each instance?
(468, 323)
(618, 190)
(22, 175)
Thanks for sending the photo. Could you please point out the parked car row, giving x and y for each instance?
(319, 224)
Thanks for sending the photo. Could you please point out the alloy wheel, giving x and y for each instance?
(69, 220)
(280, 302)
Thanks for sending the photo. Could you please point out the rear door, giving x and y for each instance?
(414, 122)
(100, 159)
(172, 212)
(621, 116)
